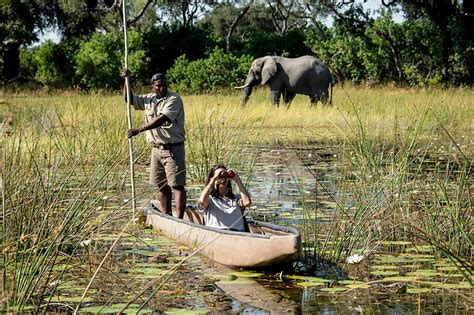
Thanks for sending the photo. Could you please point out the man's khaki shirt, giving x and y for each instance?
(172, 107)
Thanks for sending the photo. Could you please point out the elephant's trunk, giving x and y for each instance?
(247, 92)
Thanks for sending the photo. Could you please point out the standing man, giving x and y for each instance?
(164, 126)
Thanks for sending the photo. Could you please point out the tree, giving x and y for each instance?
(287, 15)
(443, 13)
(21, 23)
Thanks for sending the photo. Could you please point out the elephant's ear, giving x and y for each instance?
(269, 69)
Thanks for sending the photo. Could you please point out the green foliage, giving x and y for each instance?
(423, 50)
(47, 69)
(99, 62)
(422, 55)
(374, 53)
(292, 44)
(28, 66)
(340, 52)
(207, 75)
(164, 44)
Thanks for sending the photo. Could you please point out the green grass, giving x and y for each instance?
(406, 161)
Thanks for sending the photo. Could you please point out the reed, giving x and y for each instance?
(401, 189)
(52, 188)
(405, 165)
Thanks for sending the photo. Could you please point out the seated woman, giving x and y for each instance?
(222, 209)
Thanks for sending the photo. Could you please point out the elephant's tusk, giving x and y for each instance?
(243, 86)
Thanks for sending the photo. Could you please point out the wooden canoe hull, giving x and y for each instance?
(231, 248)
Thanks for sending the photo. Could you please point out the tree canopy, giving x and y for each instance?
(432, 45)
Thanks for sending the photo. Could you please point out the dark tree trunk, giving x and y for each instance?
(10, 61)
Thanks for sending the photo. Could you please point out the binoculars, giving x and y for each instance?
(228, 174)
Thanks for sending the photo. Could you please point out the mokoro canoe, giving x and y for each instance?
(266, 244)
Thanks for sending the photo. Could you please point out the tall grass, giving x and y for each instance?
(61, 153)
(401, 186)
(54, 175)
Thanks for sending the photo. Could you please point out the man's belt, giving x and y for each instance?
(166, 146)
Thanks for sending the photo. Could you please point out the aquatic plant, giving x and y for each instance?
(401, 189)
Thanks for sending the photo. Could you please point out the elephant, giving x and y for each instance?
(289, 76)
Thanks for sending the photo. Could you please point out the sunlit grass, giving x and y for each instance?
(61, 152)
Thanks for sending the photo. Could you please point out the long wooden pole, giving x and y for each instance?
(129, 114)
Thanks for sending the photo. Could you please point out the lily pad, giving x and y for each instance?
(388, 243)
(220, 276)
(384, 273)
(412, 266)
(418, 290)
(391, 259)
(306, 284)
(334, 290)
(148, 271)
(61, 267)
(358, 286)
(384, 267)
(247, 274)
(354, 284)
(312, 279)
(423, 273)
(349, 281)
(180, 311)
(421, 249)
(448, 268)
(400, 279)
(453, 286)
(71, 299)
(451, 275)
(236, 281)
(131, 309)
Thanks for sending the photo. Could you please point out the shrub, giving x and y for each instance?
(28, 65)
(99, 62)
(47, 73)
(218, 71)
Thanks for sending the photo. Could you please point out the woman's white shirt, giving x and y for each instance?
(224, 213)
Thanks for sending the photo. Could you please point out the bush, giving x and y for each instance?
(99, 62)
(28, 65)
(292, 44)
(218, 71)
(163, 45)
(48, 73)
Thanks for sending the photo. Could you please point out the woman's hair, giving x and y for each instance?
(215, 192)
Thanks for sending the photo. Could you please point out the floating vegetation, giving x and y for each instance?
(365, 183)
(180, 311)
(246, 274)
(384, 273)
(422, 249)
(384, 267)
(236, 281)
(115, 308)
(307, 284)
(423, 273)
(417, 290)
(308, 278)
(388, 243)
(71, 299)
(334, 290)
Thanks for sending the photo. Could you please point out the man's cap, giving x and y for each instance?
(158, 76)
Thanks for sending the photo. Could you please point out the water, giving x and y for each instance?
(282, 182)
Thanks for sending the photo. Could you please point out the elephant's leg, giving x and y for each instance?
(275, 98)
(314, 99)
(324, 97)
(288, 97)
